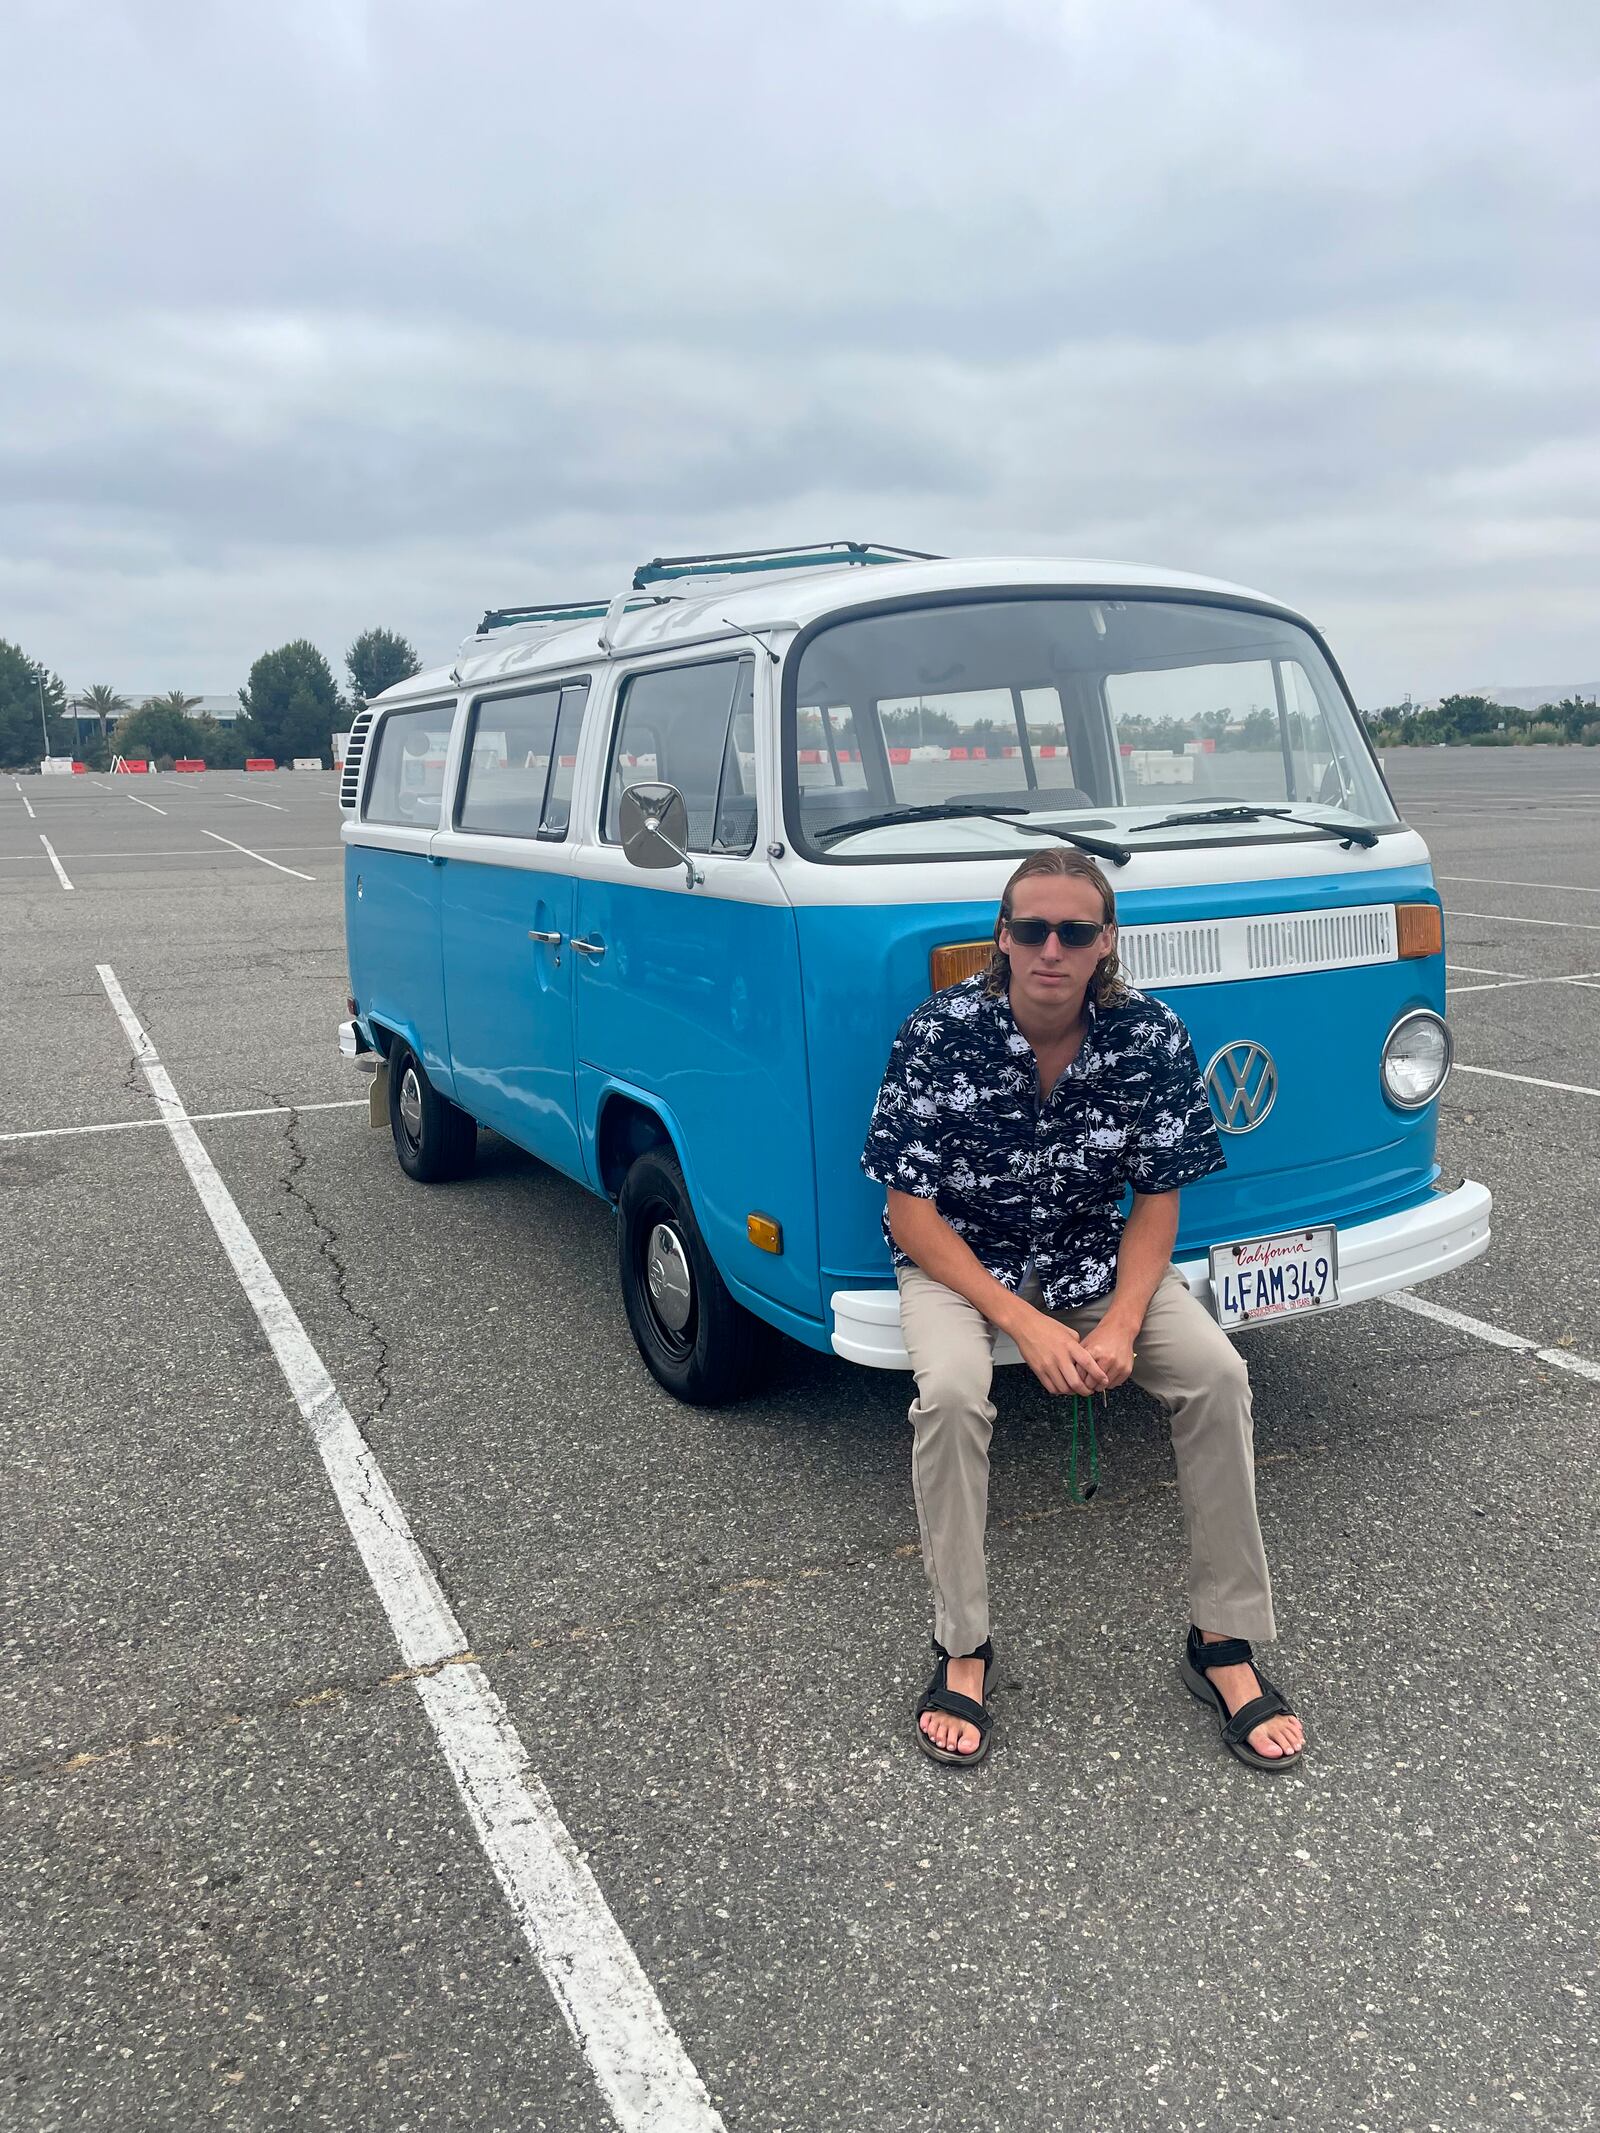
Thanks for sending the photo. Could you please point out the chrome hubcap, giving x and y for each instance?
(671, 1283)
(411, 1103)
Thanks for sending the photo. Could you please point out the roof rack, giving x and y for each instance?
(736, 562)
(556, 613)
(661, 580)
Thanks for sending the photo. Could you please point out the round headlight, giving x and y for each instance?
(1416, 1060)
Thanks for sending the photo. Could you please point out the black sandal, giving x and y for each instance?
(939, 1696)
(1237, 1727)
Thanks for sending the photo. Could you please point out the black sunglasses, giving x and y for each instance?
(1070, 932)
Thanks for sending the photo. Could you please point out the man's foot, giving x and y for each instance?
(955, 1735)
(1237, 1686)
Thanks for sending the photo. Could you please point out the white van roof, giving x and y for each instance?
(678, 608)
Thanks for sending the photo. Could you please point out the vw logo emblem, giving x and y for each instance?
(1242, 1083)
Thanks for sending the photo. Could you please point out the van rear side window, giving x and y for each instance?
(406, 782)
(519, 763)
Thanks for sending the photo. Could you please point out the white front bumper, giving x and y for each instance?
(1394, 1252)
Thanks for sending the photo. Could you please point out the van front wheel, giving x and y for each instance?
(696, 1340)
(432, 1137)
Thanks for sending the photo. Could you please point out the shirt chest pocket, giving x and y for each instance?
(1090, 1142)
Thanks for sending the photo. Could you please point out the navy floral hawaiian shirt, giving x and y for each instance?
(958, 1121)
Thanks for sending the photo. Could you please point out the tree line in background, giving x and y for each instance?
(1456, 721)
(290, 706)
(1479, 722)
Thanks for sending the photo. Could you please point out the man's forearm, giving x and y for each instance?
(920, 1230)
(1143, 1257)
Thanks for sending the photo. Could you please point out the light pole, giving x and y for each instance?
(38, 675)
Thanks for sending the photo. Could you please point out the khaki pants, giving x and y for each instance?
(1184, 1360)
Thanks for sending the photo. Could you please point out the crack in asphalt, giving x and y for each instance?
(185, 1731)
(365, 1323)
(133, 1078)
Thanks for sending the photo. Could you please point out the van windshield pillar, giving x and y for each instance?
(1024, 740)
(1284, 741)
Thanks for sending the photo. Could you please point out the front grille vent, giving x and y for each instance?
(1172, 955)
(1280, 944)
(1322, 940)
(355, 749)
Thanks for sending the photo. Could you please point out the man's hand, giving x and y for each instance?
(1058, 1359)
(1111, 1346)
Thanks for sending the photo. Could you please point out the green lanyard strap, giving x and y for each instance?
(1074, 1477)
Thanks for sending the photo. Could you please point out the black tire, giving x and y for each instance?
(700, 1344)
(433, 1139)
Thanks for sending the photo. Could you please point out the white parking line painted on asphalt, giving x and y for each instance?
(1506, 918)
(23, 797)
(610, 2006)
(134, 797)
(196, 1118)
(249, 800)
(1476, 970)
(1505, 984)
(1559, 1358)
(61, 872)
(1568, 1088)
(195, 851)
(217, 834)
(1485, 881)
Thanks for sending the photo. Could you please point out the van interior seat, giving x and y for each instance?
(823, 804)
(736, 824)
(1038, 801)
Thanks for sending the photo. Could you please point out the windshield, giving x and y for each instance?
(1095, 714)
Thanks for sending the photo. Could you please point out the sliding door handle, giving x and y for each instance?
(551, 940)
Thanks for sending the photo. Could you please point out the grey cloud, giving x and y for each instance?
(336, 313)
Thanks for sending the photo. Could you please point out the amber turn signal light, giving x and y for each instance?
(765, 1234)
(958, 960)
(1419, 930)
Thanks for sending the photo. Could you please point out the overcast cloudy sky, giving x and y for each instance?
(321, 313)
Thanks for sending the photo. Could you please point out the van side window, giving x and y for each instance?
(520, 752)
(406, 782)
(736, 794)
(693, 727)
(558, 801)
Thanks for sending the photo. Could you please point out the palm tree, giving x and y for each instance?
(102, 702)
(174, 700)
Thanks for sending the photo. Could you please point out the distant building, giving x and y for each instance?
(224, 709)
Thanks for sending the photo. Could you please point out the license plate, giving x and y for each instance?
(1273, 1277)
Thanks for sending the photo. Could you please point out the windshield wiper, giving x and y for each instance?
(1348, 833)
(931, 813)
(952, 811)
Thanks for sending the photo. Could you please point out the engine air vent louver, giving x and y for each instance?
(355, 749)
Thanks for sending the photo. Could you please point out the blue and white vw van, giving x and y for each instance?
(647, 884)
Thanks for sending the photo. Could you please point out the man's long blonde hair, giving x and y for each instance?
(1108, 982)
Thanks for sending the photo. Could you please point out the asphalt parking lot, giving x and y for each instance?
(241, 1885)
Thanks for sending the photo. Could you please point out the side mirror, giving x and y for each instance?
(655, 829)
